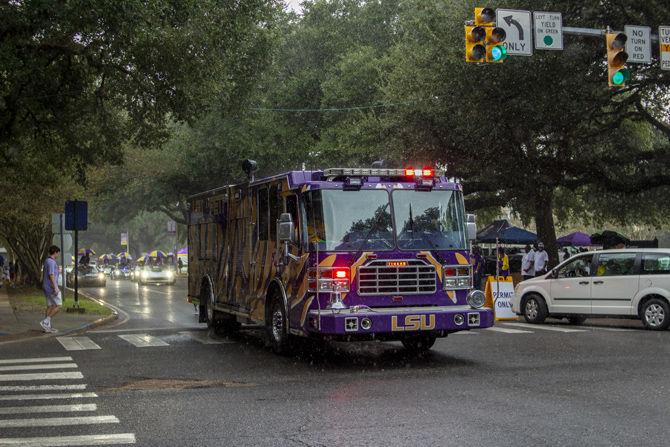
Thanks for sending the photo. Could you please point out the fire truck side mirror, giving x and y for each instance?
(285, 231)
(471, 227)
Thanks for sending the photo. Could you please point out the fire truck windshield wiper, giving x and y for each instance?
(372, 228)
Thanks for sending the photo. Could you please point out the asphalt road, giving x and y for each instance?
(515, 385)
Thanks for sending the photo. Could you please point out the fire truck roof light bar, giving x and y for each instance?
(372, 172)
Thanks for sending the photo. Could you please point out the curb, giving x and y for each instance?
(16, 338)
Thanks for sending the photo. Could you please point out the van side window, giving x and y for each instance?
(616, 264)
(655, 264)
(577, 268)
(275, 210)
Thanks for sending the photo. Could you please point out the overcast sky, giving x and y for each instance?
(293, 4)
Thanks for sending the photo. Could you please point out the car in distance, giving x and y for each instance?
(155, 275)
(633, 283)
(88, 277)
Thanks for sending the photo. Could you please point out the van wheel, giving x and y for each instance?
(276, 328)
(655, 314)
(418, 344)
(576, 320)
(534, 309)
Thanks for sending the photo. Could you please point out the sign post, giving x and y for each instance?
(548, 30)
(76, 218)
(518, 28)
(638, 45)
(664, 46)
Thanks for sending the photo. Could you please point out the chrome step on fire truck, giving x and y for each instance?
(342, 254)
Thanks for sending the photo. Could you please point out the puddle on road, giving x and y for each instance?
(177, 384)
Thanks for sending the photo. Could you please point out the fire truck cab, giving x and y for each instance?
(342, 253)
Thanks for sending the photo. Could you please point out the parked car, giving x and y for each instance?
(155, 275)
(122, 272)
(631, 283)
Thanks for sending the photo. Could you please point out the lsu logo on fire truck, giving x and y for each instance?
(414, 323)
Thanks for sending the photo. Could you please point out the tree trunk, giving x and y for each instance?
(544, 222)
(29, 241)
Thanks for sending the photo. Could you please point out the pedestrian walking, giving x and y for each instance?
(53, 295)
(180, 265)
(541, 260)
(528, 263)
(477, 261)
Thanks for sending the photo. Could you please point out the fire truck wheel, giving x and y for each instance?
(276, 327)
(419, 343)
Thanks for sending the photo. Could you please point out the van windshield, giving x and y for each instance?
(349, 220)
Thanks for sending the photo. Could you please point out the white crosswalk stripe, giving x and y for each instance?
(77, 343)
(48, 396)
(41, 376)
(35, 360)
(58, 422)
(143, 340)
(48, 409)
(34, 366)
(66, 441)
(21, 400)
(79, 386)
(506, 330)
(544, 327)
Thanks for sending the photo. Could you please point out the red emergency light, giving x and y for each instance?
(425, 172)
(341, 273)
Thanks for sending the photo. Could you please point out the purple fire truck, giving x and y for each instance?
(341, 254)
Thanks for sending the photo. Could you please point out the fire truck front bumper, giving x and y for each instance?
(394, 322)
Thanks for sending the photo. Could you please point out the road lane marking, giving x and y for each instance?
(48, 409)
(42, 387)
(506, 330)
(143, 340)
(66, 441)
(58, 422)
(34, 366)
(464, 333)
(77, 343)
(544, 327)
(151, 329)
(47, 396)
(203, 337)
(35, 360)
(40, 376)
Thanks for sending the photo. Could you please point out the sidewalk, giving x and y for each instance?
(19, 323)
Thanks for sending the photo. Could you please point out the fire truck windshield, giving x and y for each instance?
(349, 221)
(429, 220)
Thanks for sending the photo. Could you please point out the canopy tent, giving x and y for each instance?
(577, 239)
(183, 251)
(609, 239)
(504, 233)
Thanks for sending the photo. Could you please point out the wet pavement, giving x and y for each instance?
(161, 379)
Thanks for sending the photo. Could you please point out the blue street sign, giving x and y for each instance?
(76, 215)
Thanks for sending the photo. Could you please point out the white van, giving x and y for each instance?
(625, 282)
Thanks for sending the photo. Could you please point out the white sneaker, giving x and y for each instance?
(52, 330)
(45, 326)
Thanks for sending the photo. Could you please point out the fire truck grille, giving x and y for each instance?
(378, 278)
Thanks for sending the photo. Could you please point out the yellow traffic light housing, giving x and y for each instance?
(475, 43)
(617, 74)
(485, 16)
(496, 51)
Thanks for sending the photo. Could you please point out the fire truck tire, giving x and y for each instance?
(276, 328)
(419, 343)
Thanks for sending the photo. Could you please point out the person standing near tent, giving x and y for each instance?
(503, 262)
(541, 260)
(528, 263)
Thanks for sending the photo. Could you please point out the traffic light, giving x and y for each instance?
(496, 52)
(617, 74)
(484, 41)
(475, 43)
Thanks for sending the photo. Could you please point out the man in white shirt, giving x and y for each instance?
(528, 263)
(541, 260)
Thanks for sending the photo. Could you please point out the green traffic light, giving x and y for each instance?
(620, 77)
(498, 53)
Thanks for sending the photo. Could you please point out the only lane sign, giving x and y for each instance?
(518, 26)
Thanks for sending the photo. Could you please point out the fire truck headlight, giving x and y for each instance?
(476, 299)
